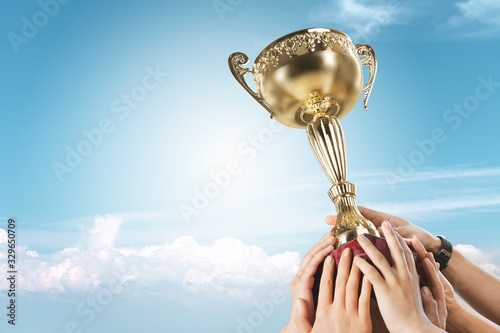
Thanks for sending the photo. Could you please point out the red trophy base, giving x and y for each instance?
(379, 242)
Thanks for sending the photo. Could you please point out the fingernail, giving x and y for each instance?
(329, 259)
(426, 291)
(362, 238)
(356, 259)
(346, 252)
(387, 224)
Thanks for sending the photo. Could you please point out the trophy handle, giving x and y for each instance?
(235, 61)
(368, 58)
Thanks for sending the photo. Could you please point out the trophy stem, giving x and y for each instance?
(327, 142)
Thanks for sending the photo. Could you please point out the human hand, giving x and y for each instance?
(461, 317)
(433, 297)
(397, 288)
(402, 226)
(302, 283)
(345, 310)
(452, 303)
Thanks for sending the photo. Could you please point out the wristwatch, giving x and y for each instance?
(444, 254)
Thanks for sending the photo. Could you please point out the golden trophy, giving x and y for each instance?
(310, 79)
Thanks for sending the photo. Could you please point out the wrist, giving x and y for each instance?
(434, 246)
(444, 254)
(454, 310)
(457, 319)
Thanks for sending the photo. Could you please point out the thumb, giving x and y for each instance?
(430, 306)
(403, 230)
(331, 220)
(301, 317)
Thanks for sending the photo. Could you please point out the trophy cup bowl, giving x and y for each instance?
(310, 79)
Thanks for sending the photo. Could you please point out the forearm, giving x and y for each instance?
(463, 319)
(477, 287)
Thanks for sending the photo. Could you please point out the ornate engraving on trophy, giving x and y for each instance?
(310, 79)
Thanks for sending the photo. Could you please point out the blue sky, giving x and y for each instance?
(142, 93)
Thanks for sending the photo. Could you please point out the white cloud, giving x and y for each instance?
(426, 208)
(431, 195)
(364, 18)
(420, 194)
(103, 234)
(486, 12)
(428, 193)
(459, 172)
(226, 268)
(480, 258)
(3, 236)
(33, 254)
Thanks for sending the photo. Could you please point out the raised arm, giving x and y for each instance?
(344, 308)
(461, 317)
(302, 283)
(396, 287)
(476, 286)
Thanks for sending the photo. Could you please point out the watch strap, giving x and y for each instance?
(444, 254)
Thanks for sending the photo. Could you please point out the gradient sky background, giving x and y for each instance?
(104, 247)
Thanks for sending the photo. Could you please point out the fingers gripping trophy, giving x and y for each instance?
(310, 79)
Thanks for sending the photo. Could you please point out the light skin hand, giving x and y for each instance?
(433, 296)
(433, 299)
(402, 226)
(452, 304)
(397, 288)
(479, 288)
(486, 287)
(434, 309)
(344, 311)
(461, 317)
(302, 283)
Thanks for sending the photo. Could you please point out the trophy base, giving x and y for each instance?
(379, 242)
